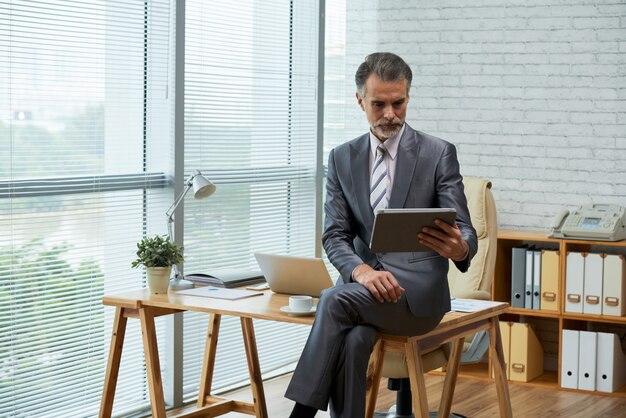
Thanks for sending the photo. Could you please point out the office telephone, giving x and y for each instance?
(597, 222)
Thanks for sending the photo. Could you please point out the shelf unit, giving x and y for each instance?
(556, 320)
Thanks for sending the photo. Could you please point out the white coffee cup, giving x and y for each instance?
(300, 303)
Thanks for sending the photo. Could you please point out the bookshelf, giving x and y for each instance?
(550, 324)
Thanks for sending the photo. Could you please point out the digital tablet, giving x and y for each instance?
(395, 230)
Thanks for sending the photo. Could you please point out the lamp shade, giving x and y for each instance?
(202, 187)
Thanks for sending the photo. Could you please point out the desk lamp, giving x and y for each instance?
(202, 188)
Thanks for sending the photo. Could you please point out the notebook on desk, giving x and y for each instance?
(294, 275)
(226, 278)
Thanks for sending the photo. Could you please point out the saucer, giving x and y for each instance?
(288, 310)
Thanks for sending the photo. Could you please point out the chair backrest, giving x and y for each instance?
(476, 282)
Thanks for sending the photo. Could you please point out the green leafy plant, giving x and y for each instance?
(157, 251)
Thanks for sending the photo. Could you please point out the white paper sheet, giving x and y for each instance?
(471, 305)
(219, 292)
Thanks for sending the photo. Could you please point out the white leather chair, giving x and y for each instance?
(473, 284)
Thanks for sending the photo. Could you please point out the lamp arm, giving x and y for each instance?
(172, 209)
(170, 216)
(188, 185)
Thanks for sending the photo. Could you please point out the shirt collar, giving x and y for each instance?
(391, 144)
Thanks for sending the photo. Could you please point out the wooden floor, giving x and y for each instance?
(473, 398)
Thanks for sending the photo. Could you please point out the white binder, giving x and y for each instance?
(614, 286)
(574, 278)
(528, 297)
(569, 359)
(592, 293)
(587, 360)
(611, 363)
(537, 280)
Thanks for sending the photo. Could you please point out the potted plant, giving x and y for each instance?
(158, 254)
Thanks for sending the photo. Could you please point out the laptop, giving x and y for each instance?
(294, 275)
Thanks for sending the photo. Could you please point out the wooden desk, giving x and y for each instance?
(145, 306)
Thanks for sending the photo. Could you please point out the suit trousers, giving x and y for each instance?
(333, 364)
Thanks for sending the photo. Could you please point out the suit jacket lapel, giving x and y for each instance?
(359, 171)
(408, 150)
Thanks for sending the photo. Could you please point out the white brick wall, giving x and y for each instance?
(532, 92)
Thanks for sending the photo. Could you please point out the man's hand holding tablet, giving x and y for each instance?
(445, 240)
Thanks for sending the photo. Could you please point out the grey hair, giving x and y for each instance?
(386, 66)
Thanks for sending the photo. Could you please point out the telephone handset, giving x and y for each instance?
(593, 222)
(559, 219)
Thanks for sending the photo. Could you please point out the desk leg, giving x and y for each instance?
(151, 352)
(113, 365)
(452, 371)
(208, 366)
(254, 368)
(416, 376)
(497, 362)
(373, 378)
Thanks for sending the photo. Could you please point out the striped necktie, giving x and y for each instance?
(380, 181)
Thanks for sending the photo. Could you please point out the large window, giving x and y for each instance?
(87, 162)
(250, 125)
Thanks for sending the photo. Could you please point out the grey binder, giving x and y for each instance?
(518, 277)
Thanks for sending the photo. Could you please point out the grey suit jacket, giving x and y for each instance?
(427, 175)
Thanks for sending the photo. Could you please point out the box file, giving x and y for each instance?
(611, 363)
(592, 287)
(550, 280)
(526, 354)
(569, 359)
(518, 277)
(614, 286)
(574, 278)
(587, 355)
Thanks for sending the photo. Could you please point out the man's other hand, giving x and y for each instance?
(448, 241)
(381, 284)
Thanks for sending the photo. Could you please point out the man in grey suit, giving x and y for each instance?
(392, 166)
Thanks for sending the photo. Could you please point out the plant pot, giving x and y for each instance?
(158, 279)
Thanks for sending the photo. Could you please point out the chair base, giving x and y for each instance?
(403, 407)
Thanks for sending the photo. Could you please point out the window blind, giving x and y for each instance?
(85, 167)
(339, 86)
(338, 96)
(250, 126)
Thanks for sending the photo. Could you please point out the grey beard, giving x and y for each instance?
(386, 133)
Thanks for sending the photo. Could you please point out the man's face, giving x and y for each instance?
(384, 105)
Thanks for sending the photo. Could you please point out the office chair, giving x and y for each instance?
(473, 284)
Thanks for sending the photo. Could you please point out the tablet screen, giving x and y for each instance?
(395, 230)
